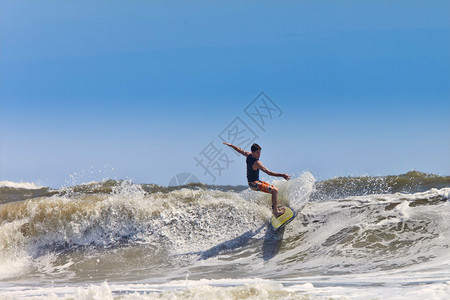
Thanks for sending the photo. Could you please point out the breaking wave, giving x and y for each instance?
(118, 230)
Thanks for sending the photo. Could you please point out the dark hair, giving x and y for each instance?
(255, 147)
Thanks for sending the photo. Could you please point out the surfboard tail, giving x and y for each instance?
(283, 220)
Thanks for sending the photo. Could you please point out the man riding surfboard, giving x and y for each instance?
(253, 167)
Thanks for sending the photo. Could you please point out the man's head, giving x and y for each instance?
(256, 150)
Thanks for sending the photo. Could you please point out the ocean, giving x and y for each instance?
(364, 237)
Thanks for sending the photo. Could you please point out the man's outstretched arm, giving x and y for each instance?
(245, 153)
(268, 172)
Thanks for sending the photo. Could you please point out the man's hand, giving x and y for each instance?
(286, 176)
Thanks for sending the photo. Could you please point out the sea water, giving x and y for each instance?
(353, 238)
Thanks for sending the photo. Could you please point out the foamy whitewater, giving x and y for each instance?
(354, 238)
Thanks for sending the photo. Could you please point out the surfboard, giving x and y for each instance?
(282, 220)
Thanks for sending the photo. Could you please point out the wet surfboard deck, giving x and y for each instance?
(283, 220)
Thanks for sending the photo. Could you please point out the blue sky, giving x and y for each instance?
(138, 89)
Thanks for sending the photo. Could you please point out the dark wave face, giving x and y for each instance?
(411, 182)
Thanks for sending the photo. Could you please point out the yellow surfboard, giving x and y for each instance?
(282, 220)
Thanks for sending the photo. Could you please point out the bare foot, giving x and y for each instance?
(279, 211)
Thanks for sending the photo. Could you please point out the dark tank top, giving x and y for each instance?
(252, 175)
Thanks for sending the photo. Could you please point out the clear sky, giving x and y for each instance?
(141, 89)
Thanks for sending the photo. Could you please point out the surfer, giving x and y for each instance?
(253, 167)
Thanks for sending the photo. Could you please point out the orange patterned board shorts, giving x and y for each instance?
(261, 186)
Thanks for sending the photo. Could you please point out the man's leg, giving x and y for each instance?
(276, 211)
(270, 189)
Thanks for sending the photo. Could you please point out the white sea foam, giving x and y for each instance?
(347, 287)
(20, 185)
